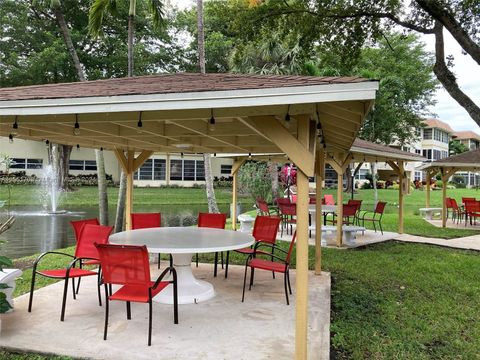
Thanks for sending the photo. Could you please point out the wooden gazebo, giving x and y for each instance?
(467, 161)
(303, 117)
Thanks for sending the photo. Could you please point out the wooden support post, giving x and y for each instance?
(319, 175)
(301, 308)
(401, 192)
(428, 186)
(446, 173)
(129, 195)
(339, 211)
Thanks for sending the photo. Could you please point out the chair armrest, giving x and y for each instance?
(162, 275)
(269, 245)
(37, 260)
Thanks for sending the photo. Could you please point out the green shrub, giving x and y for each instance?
(255, 180)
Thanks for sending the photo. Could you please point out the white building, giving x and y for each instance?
(472, 141)
(160, 169)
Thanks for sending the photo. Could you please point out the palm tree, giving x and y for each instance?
(98, 10)
(211, 199)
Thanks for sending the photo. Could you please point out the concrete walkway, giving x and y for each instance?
(263, 327)
(467, 243)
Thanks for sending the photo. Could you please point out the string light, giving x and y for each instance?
(250, 156)
(101, 149)
(287, 117)
(10, 138)
(211, 123)
(78, 146)
(15, 127)
(47, 142)
(181, 155)
(139, 123)
(215, 154)
(76, 128)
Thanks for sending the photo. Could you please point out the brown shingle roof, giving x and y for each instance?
(359, 143)
(469, 157)
(435, 123)
(463, 135)
(165, 84)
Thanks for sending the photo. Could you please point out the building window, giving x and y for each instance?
(18, 163)
(226, 169)
(427, 154)
(418, 175)
(82, 165)
(152, 169)
(362, 174)
(187, 170)
(427, 134)
(418, 151)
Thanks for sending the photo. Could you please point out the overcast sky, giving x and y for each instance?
(468, 77)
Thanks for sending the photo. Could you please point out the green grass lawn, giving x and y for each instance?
(389, 301)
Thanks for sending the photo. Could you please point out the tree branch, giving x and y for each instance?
(447, 78)
(446, 18)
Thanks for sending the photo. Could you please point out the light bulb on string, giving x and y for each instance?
(15, 127)
(10, 138)
(76, 127)
(211, 122)
(139, 123)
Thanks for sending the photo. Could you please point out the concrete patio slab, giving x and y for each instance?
(466, 243)
(262, 327)
(454, 225)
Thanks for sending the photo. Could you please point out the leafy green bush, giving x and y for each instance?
(255, 180)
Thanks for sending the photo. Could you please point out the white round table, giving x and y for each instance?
(182, 243)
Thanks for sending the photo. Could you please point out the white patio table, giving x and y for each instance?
(182, 243)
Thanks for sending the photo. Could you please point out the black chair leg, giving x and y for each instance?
(221, 258)
(226, 264)
(288, 280)
(158, 266)
(129, 311)
(380, 225)
(32, 287)
(150, 322)
(215, 265)
(196, 259)
(99, 285)
(106, 313)
(244, 282)
(78, 283)
(73, 288)
(175, 303)
(64, 301)
(285, 286)
(252, 274)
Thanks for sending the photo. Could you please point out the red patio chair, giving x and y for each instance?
(77, 226)
(128, 266)
(472, 211)
(329, 200)
(358, 204)
(84, 250)
(264, 209)
(448, 206)
(294, 198)
(288, 213)
(465, 199)
(148, 221)
(376, 216)
(265, 229)
(458, 212)
(349, 214)
(312, 200)
(276, 263)
(215, 221)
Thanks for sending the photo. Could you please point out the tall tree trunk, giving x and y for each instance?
(348, 174)
(272, 169)
(131, 35)
(373, 169)
(68, 42)
(201, 37)
(211, 199)
(122, 192)
(102, 188)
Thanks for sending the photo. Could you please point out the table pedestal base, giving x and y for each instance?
(190, 289)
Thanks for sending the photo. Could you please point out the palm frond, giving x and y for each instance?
(96, 14)
(157, 12)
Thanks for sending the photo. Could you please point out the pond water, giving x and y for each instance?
(35, 232)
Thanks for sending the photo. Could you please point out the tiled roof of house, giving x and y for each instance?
(435, 123)
(167, 84)
(469, 157)
(367, 145)
(464, 135)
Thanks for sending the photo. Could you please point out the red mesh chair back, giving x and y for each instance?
(472, 206)
(266, 228)
(78, 224)
(262, 206)
(454, 204)
(283, 201)
(312, 200)
(380, 208)
(125, 264)
(329, 200)
(290, 248)
(294, 198)
(208, 220)
(466, 199)
(349, 210)
(288, 209)
(357, 203)
(146, 220)
(448, 203)
(90, 235)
